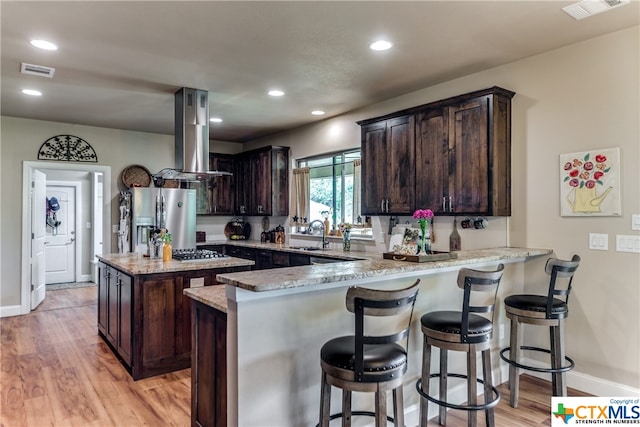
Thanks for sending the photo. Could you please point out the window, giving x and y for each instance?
(334, 187)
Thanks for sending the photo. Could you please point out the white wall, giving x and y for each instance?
(580, 97)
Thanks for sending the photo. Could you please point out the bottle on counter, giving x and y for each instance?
(455, 243)
(167, 252)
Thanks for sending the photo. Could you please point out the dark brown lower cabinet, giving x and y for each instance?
(146, 319)
(208, 366)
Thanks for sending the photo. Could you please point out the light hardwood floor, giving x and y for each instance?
(57, 371)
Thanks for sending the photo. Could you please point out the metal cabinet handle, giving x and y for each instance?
(382, 205)
(387, 205)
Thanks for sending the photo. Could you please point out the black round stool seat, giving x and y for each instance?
(537, 303)
(382, 358)
(450, 322)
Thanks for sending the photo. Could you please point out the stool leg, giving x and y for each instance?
(398, 407)
(346, 408)
(381, 407)
(442, 419)
(325, 401)
(472, 387)
(515, 342)
(487, 376)
(559, 384)
(426, 371)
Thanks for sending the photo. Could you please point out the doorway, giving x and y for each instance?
(96, 238)
(61, 242)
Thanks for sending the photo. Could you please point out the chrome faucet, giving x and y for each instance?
(325, 241)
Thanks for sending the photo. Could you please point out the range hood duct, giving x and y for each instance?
(192, 137)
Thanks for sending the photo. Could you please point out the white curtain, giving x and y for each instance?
(357, 171)
(300, 194)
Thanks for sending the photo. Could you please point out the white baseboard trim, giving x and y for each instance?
(85, 278)
(586, 383)
(10, 310)
(576, 380)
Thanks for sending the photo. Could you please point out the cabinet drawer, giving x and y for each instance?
(280, 259)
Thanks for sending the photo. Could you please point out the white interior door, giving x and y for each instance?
(60, 245)
(38, 237)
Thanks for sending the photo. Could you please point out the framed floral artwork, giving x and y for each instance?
(590, 183)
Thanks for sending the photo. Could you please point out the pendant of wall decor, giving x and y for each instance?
(67, 148)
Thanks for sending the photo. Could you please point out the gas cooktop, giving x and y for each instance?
(196, 255)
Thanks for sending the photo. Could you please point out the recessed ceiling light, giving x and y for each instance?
(380, 45)
(44, 44)
(276, 93)
(31, 92)
(215, 120)
(318, 113)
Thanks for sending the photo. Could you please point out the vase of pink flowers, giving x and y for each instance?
(424, 217)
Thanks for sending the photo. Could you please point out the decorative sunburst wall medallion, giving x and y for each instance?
(67, 148)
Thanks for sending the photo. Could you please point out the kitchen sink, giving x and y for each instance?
(306, 248)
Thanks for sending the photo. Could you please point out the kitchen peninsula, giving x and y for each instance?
(142, 313)
(277, 320)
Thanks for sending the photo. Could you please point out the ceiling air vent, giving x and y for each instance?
(37, 70)
(587, 8)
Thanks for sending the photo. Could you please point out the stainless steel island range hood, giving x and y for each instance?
(192, 137)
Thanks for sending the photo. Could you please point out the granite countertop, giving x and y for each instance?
(299, 249)
(134, 264)
(366, 265)
(213, 296)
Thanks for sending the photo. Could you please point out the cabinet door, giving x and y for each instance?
(261, 191)
(243, 183)
(469, 156)
(264, 260)
(280, 181)
(432, 160)
(112, 308)
(103, 298)
(374, 168)
(223, 193)
(400, 166)
(125, 287)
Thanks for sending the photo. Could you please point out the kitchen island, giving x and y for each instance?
(142, 313)
(277, 320)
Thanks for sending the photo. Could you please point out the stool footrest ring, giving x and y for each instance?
(566, 368)
(357, 414)
(484, 406)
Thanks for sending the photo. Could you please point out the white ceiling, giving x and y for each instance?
(119, 63)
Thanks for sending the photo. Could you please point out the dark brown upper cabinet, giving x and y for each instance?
(388, 176)
(262, 182)
(223, 191)
(460, 160)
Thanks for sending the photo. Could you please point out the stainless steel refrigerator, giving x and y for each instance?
(170, 208)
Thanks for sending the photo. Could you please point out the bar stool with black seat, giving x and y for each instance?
(369, 363)
(470, 331)
(546, 310)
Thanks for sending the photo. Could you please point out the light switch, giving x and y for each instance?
(196, 282)
(635, 222)
(599, 242)
(628, 243)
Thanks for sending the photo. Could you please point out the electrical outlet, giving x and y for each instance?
(628, 243)
(114, 229)
(599, 242)
(635, 222)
